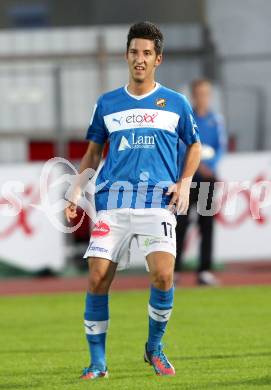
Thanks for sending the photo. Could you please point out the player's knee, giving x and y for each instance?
(163, 280)
(98, 283)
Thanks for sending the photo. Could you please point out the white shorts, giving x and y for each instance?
(153, 229)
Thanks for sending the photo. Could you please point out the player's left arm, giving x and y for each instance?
(188, 132)
(181, 190)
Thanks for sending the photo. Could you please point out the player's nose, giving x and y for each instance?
(140, 59)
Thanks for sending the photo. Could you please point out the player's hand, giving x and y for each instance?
(179, 192)
(71, 211)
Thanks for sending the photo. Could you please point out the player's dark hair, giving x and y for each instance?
(146, 30)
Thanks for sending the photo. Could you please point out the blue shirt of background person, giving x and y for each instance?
(211, 131)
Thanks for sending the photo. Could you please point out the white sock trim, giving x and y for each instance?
(96, 327)
(159, 315)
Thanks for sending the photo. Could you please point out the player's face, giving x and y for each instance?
(142, 59)
(202, 96)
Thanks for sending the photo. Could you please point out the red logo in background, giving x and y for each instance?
(100, 229)
(252, 207)
(21, 221)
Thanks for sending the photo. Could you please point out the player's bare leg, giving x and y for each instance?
(101, 274)
(161, 266)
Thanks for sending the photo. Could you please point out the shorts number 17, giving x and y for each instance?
(167, 228)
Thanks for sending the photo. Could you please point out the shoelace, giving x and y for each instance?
(87, 370)
(160, 354)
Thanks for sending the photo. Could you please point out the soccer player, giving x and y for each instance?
(213, 139)
(138, 192)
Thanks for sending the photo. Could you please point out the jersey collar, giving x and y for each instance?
(139, 97)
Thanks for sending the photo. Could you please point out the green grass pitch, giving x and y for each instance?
(216, 338)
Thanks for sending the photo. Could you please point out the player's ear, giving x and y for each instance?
(158, 60)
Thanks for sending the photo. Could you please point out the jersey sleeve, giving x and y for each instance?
(97, 131)
(187, 127)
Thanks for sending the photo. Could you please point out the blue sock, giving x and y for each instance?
(96, 324)
(160, 307)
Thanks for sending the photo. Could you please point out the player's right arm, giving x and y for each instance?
(97, 135)
(91, 159)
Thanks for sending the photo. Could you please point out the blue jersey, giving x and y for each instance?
(143, 133)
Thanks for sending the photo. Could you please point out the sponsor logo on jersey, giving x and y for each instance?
(117, 120)
(100, 229)
(161, 102)
(124, 144)
(137, 142)
(137, 119)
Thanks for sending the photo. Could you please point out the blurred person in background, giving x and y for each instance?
(213, 139)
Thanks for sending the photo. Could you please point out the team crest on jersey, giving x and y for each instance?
(161, 102)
